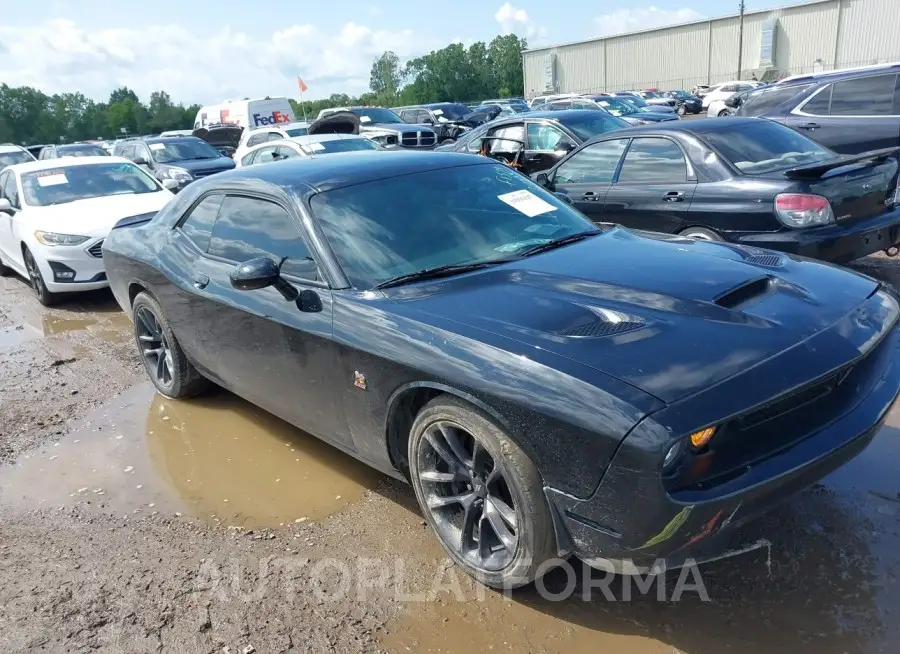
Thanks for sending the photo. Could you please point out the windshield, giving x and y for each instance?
(633, 99)
(681, 94)
(376, 115)
(451, 111)
(469, 214)
(297, 131)
(81, 150)
(12, 158)
(68, 184)
(587, 125)
(760, 147)
(616, 106)
(650, 94)
(340, 145)
(519, 108)
(186, 150)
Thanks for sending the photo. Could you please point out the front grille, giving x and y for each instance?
(418, 139)
(96, 250)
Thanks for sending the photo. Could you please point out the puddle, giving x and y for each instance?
(13, 336)
(112, 328)
(217, 458)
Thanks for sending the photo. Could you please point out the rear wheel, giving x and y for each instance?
(723, 113)
(480, 493)
(45, 297)
(164, 360)
(701, 234)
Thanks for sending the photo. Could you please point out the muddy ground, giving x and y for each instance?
(131, 523)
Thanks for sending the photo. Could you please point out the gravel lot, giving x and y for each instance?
(133, 523)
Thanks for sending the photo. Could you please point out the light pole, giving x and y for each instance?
(741, 40)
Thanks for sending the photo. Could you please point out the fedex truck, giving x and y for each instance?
(249, 114)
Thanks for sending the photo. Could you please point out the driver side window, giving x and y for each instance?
(546, 138)
(594, 164)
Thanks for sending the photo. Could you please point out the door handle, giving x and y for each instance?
(590, 197)
(201, 280)
(674, 196)
(809, 126)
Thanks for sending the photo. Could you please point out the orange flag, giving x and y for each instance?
(303, 87)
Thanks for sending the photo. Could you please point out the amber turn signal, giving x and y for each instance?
(702, 437)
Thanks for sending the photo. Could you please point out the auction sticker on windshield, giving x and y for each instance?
(365, 119)
(157, 146)
(52, 178)
(526, 202)
(315, 147)
(438, 112)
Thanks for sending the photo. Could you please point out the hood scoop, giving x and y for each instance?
(600, 323)
(766, 260)
(746, 292)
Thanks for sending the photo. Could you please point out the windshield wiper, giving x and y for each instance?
(441, 271)
(557, 243)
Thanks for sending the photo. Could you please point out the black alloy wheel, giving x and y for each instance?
(480, 493)
(44, 296)
(164, 360)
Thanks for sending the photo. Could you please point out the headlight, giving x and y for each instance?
(178, 174)
(51, 238)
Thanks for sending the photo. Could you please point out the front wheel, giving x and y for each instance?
(681, 110)
(723, 113)
(164, 360)
(480, 493)
(45, 297)
(701, 234)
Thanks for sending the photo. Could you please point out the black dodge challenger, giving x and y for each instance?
(547, 385)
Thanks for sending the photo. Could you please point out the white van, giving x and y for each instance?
(250, 114)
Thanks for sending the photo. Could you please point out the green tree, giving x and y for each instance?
(385, 78)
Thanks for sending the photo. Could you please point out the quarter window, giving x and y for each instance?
(266, 155)
(248, 160)
(820, 103)
(256, 139)
(864, 96)
(199, 223)
(594, 164)
(652, 160)
(274, 136)
(248, 228)
(284, 152)
(9, 189)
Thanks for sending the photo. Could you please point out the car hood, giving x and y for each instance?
(658, 108)
(95, 216)
(668, 315)
(648, 116)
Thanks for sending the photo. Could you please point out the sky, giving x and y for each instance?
(207, 52)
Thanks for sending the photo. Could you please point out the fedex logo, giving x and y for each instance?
(273, 119)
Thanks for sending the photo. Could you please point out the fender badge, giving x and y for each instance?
(359, 379)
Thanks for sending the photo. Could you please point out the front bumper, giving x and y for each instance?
(836, 243)
(634, 524)
(58, 262)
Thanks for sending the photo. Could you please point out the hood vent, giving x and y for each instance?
(768, 260)
(744, 293)
(602, 322)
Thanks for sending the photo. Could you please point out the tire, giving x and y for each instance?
(164, 360)
(701, 233)
(681, 110)
(503, 477)
(44, 296)
(5, 271)
(723, 113)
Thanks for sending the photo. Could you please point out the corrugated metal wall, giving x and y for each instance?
(822, 35)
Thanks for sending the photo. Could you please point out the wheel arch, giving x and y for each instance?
(403, 407)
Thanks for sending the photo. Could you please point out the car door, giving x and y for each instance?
(853, 115)
(653, 188)
(545, 146)
(276, 353)
(587, 174)
(10, 191)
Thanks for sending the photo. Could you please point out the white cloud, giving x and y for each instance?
(513, 20)
(630, 20)
(60, 56)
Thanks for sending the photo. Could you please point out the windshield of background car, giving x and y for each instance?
(759, 147)
(391, 227)
(451, 111)
(297, 131)
(616, 106)
(588, 125)
(682, 95)
(66, 184)
(81, 151)
(520, 108)
(764, 100)
(636, 101)
(376, 115)
(12, 158)
(340, 145)
(187, 150)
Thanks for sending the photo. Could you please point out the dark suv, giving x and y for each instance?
(848, 111)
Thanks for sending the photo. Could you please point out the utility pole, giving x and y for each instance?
(741, 41)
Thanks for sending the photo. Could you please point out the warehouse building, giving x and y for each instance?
(810, 37)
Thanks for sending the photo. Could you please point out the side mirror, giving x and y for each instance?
(170, 184)
(5, 206)
(543, 179)
(564, 197)
(261, 273)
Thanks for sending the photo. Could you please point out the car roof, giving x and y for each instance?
(346, 169)
(63, 162)
(170, 139)
(293, 125)
(832, 75)
(12, 147)
(546, 115)
(63, 146)
(687, 126)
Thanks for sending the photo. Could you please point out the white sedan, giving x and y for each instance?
(54, 215)
(305, 146)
